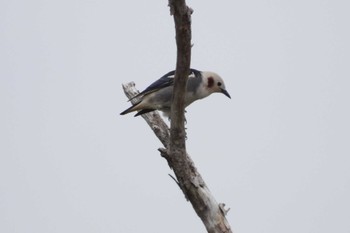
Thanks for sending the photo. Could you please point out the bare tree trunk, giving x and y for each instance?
(189, 180)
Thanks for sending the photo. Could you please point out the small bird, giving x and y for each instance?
(158, 95)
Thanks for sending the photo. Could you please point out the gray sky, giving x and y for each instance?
(277, 153)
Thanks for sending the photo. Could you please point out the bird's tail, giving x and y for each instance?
(137, 107)
(128, 110)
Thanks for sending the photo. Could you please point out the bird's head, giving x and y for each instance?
(214, 83)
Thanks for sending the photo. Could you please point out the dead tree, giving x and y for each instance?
(188, 178)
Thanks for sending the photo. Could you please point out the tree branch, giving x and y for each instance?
(159, 127)
(182, 18)
(186, 173)
(189, 180)
(193, 186)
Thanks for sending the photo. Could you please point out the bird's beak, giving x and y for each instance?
(223, 91)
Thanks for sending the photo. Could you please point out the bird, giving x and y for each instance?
(158, 95)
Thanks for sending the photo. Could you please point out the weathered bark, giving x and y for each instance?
(190, 181)
(182, 18)
(159, 127)
(186, 173)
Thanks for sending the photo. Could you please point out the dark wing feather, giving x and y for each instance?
(165, 81)
(143, 111)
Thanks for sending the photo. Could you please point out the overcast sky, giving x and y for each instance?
(277, 153)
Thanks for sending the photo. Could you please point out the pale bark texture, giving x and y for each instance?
(189, 180)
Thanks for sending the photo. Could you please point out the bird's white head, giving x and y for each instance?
(214, 83)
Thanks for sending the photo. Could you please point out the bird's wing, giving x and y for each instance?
(165, 81)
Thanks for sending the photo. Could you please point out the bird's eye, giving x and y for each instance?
(219, 84)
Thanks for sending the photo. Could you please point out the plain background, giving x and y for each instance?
(277, 153)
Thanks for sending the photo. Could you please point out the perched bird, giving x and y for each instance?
(158, 95)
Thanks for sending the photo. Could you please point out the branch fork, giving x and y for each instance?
(188, 178)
